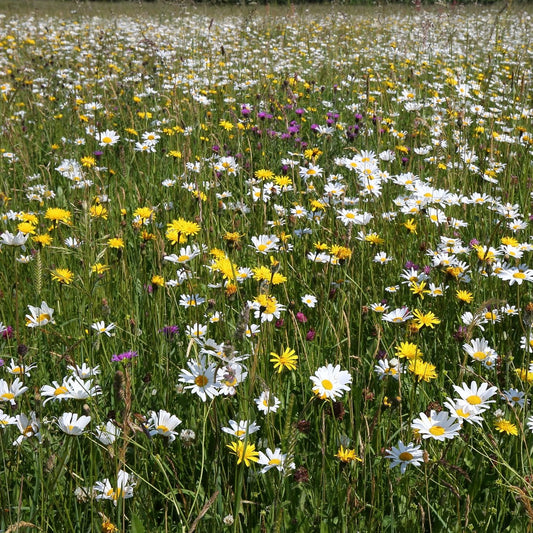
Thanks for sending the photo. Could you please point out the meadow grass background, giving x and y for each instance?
(196, 190)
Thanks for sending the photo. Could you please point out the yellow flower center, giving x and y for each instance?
(262, 247)
(7, 396)
(474, 399)
(437, 431)
(183, 258)
(43, 317)
(240, 432)
(201, 381)
(107, 140)
(405, 456)
(274, 461)
(479, 356)
(519, 275)
(60, 390)
(162, 428)
(462, 414)
(326, 383)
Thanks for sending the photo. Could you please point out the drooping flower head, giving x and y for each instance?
(39, 316)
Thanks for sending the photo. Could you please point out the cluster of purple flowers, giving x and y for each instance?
(117, 358)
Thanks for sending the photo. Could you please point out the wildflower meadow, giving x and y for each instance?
(266, 268)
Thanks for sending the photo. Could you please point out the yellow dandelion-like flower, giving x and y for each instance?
(62, 275)
(264, 174)
(408, 350)
(429, 319)
(228, 126)
(184, 227)
(88, 161)
(419, 289)
(455, 271)
(422, 370)
(244, 452)
(226, 267)
(56, 215)
(200, 195)
(27, 228)
(283, 181)
(347, 455)
(374, 238)
(318, 205)
(287, 359)
(464, 296)
(231, 289)
(233, 237)
(268, 303)
(99, 268)
(108, 527)
(144, 213)
(158, 280)
(504, 426)
(340, 252)
(410, 225)
(509, 241)
(217, 253)
(29, 217)
(98, 211)
(263, 273)
(174, 236)
(116, 243)
(485, 254)
(321, 246)
(43, 239)
(312, 153)
(524, 374)
(147, 236)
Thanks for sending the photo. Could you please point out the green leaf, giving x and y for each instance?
(136, 525)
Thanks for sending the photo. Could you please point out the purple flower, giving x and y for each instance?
(1, 362)
(301, 317)
(310, 335)
(117, 358)
(381, 354)
(460, 334)
(8, 332)
(474, 242)
(169, 331)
